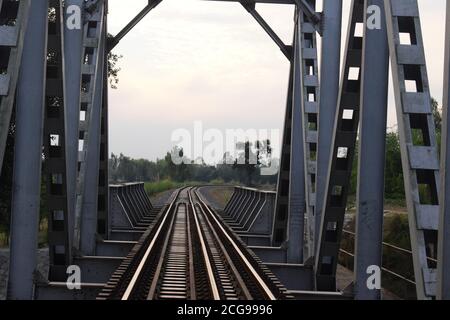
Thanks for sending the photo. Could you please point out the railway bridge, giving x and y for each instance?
(262, 245)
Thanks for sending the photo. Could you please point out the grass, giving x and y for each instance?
(153, 188)
(221, 195)
(3, 239)
(42, 235)
(391, 206)
(395, 232)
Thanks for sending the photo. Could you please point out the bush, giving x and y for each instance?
(160, 186)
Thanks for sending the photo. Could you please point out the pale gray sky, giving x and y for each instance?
(192, 60)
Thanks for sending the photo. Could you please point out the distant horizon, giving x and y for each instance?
(192, 60)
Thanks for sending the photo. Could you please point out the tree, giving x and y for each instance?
(250, 159)
(113, 68)
(394, 185)
(177, 171)
(437, 115)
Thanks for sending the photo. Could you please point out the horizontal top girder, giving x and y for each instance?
(260, 1)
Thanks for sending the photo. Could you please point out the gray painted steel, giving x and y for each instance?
(270, 254)
(250, 7)
(294, 276)
(419, 156)
(341, 160)
(256, 218)
(97, 269)
(297, 202)
(92, 41)
(329, 91)
(141, 15)
(72, 55)
(372, 142)
(279, 233)
(59, 222)
(330, 132)
(310, 110)
(12, 37)
(58, 291)
(28, 145)
(90, 198)
(114, 248)
(443, 290)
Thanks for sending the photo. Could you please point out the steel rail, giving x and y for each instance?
(191, 258)
(141, 266)
(154, 285)
(232, 265)
(247, 263)
(207, 259)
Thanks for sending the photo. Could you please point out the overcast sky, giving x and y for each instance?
(192, 60)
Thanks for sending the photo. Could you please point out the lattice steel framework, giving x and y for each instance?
(322, 124)
(55, 148)
(13, 22)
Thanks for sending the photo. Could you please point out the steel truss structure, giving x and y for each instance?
(53, 60)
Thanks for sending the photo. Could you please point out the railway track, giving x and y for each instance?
(189, 253)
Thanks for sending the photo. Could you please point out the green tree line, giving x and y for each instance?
(125, 169)
(240, 170)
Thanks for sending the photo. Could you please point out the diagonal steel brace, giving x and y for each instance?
(149, 7)
(286, 49)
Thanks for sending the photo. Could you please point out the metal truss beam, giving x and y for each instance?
(443, 290)
(308, 10)
(329, 92)
(73, 42)
(259, 1)
(88, 127)
(103, 220)
(372, 145)
(310, 13)
(417, 135)
(11, 42)
(279, 232)
(25, 204)
(296, 207)
(310, 108)
(89, 214)
(287, 50)
(60, 218)
(342, 154)
(141, 15)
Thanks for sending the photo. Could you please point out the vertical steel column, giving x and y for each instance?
(443, 289)
(329, 91)
(310, 110)
(93, 54)
(297, 205)
(372, 145)
(341, 160)
(59, 229)
(417, 135)
(73, 40)
(103, 185)
(13, 22)
(279, 232)
(90, 197)
(28, 156)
